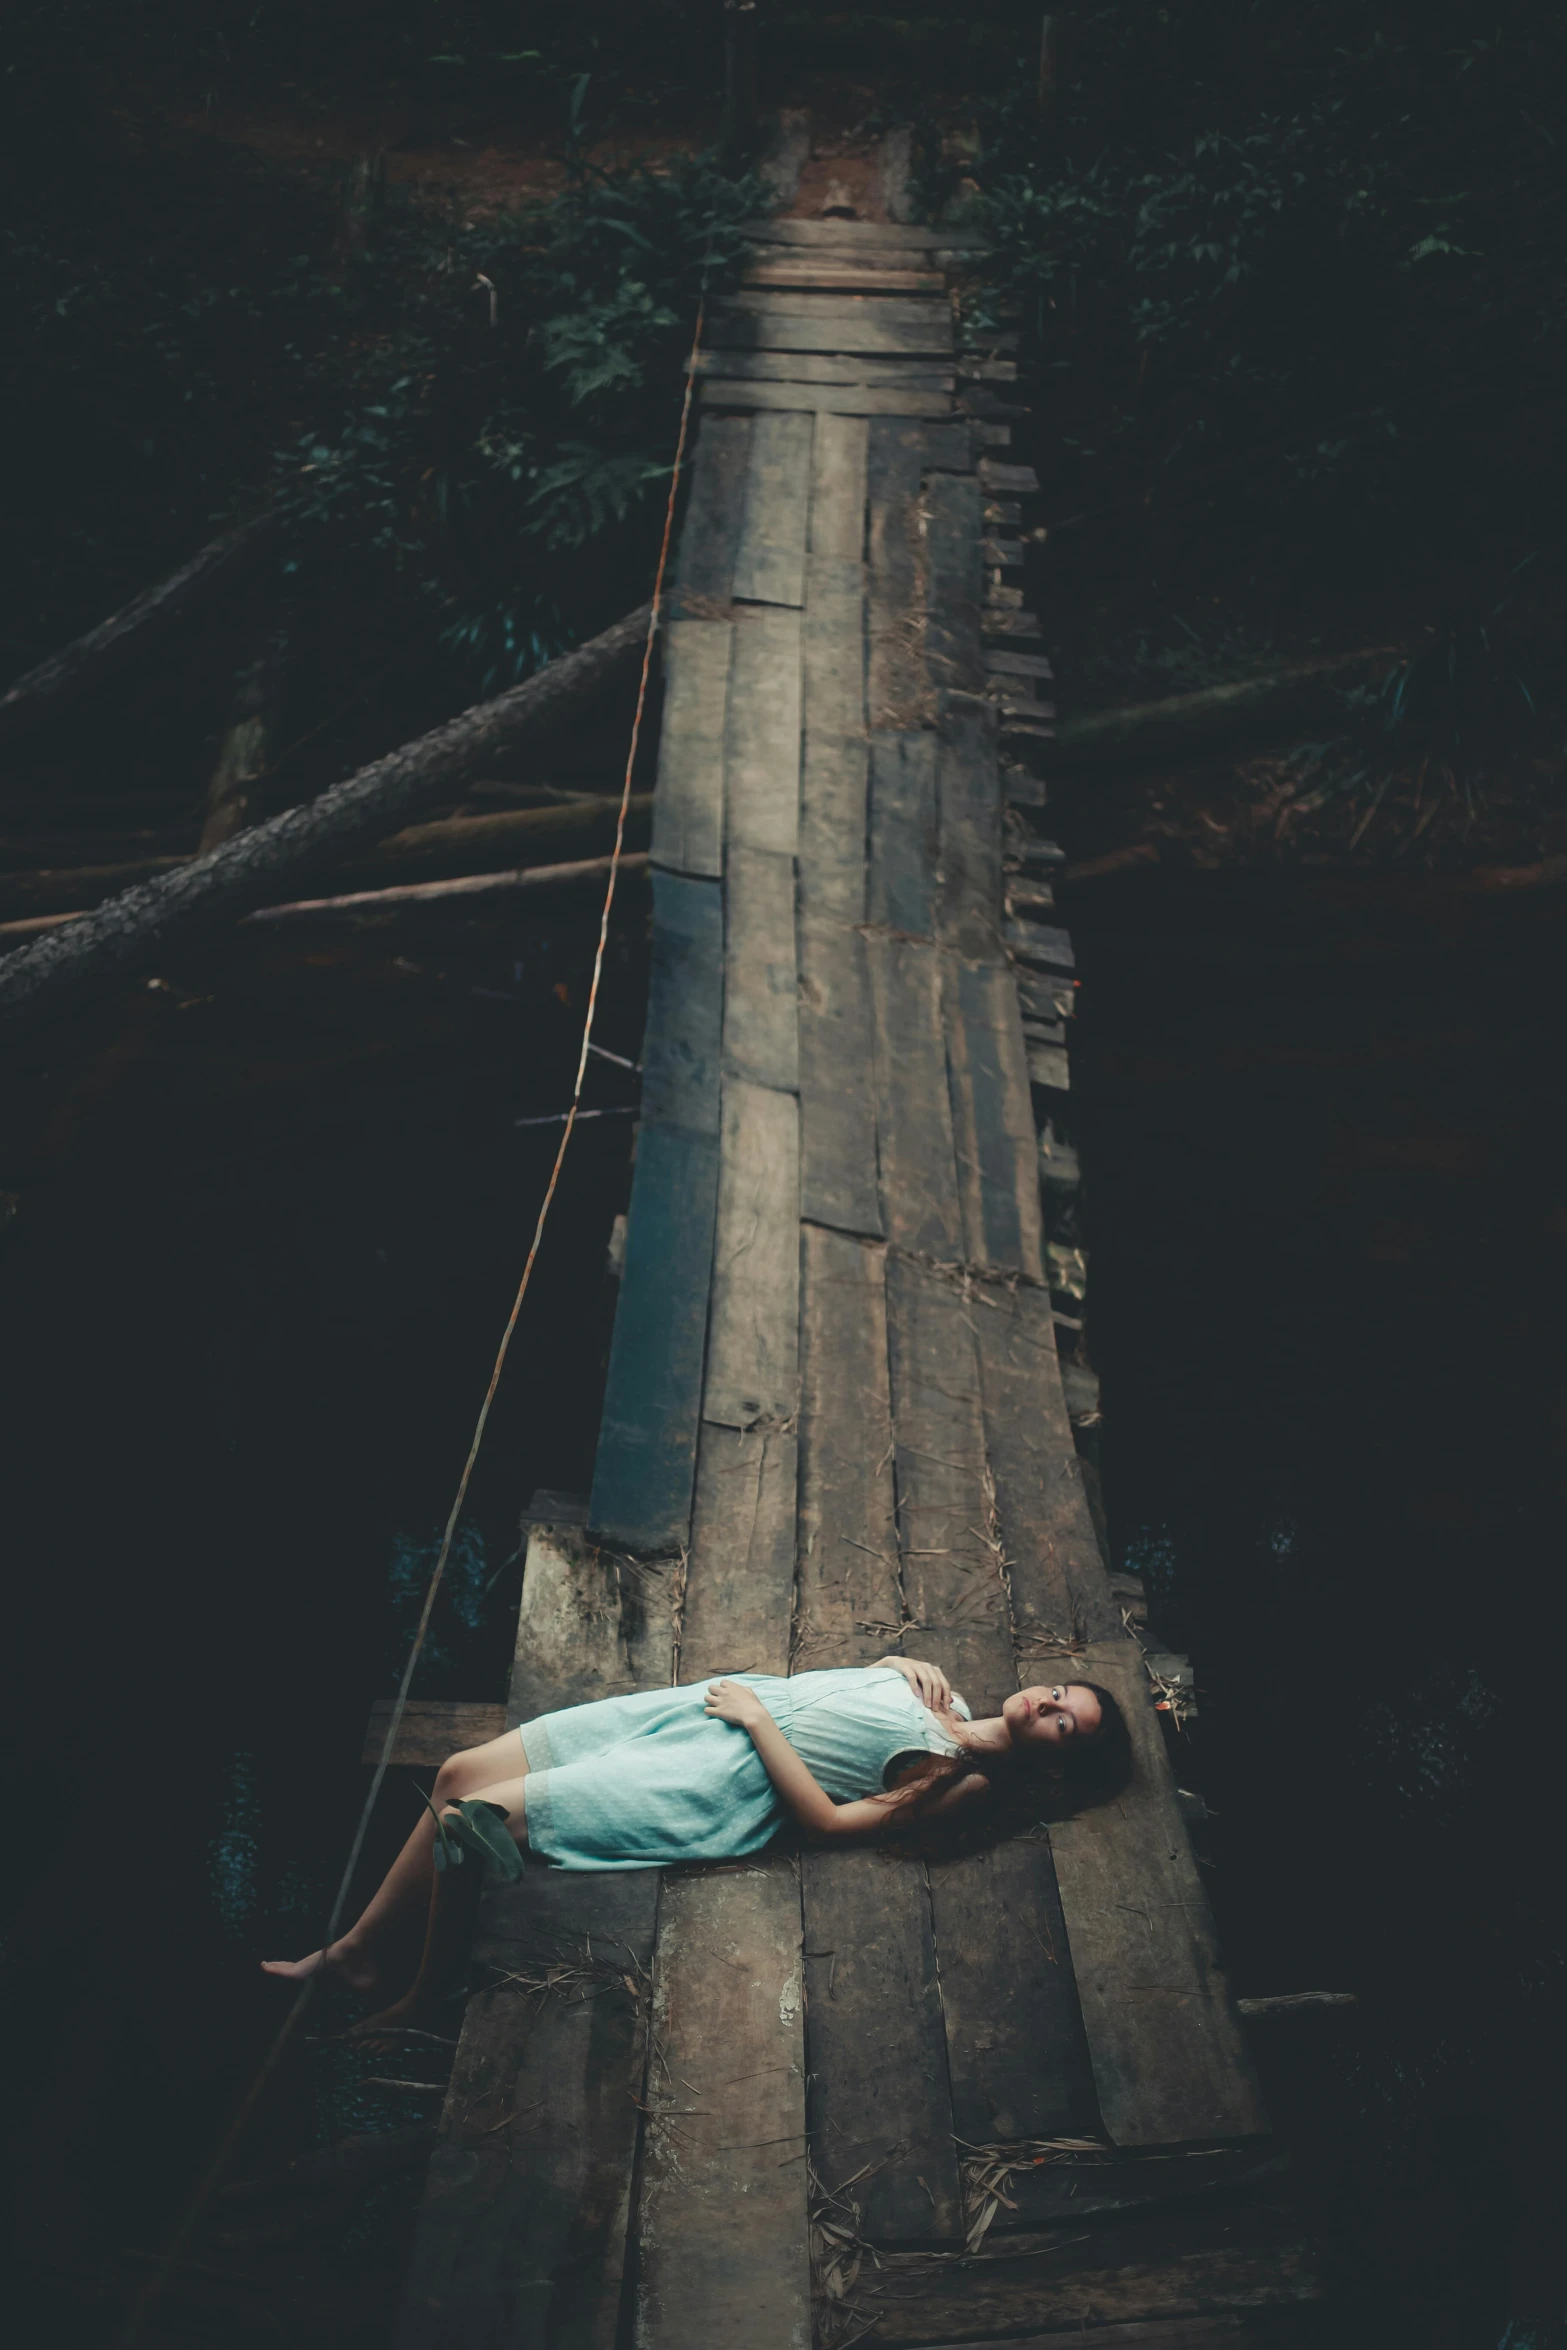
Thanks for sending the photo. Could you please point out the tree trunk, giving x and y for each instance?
(55, 683)
(272, 860)
(458, 844)
(1193, 722)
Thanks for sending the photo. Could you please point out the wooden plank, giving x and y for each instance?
(878, 2091)
(892, 309)
(762, 762)
(834, 792)
(522, 2234)
(868, 273)
(1169, 2055)
(918, 1167)
(1011, 2292)
(642, 1477)
(956, 590)
(722, 2240)
(850, 1595)
(704, 562)
(953, 1592)
(992, 1121)
(968, 801)
(688, 803)
(770, 555)
(740, 1576)
(948, 448)
(431, 1729)
(1227, 2330)
(1041, 942)
(898, 686)
(878, 2100)
(800, 329)
(753, 1370)
(901, 892)
(761, 981)
(841, 457)
(680, 1045)
(838, 1175)
(824, 399)
(852, 234)
(824, 367)
(1020, 2065)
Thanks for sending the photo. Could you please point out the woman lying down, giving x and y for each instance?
(710, 1771)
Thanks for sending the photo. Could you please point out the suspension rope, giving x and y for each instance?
(158, 2281)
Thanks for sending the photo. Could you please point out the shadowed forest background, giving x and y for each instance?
(416, 284)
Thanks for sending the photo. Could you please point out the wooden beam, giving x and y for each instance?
(522, 2234)
(753, 1368)
(722, 2251)
(770, 551)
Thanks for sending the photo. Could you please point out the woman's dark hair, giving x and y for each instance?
(1027, 1785)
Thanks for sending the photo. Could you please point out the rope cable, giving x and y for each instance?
(206, 2186)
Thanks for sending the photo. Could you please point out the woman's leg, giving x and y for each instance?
(399, 1906)
(449, 1910)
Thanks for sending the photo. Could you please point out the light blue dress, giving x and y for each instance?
(639, 1782)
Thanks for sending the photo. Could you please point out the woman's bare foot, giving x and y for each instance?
(345, 1962)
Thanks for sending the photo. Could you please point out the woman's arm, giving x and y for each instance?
(928, 1682)
(802, 1796)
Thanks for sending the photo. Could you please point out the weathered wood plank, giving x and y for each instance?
(753, 1370)
(897, 236)
(843, 309)
(956, 592)
(918, 1166)
(522, 2235)
(769, 563)
(646, 1460)
(953, 1592)
(1169, 2055)
(992, 1120)
(838, 1172)
(899, 692)
(850, 1593)
(761, 980)
(903, 833)
(825, 367)
(704, 560)
(740, 1576)
(877, 2054)
(680, 1046)
(878, 2099)
(813, 399)
(1020, 2061)
(431, 1729)
(968, 796)
(842, 455)
(834, 796)
(867, 273)
(799, 328)
(688, 803)
(593, 1623)
(722, 2250)
(763, 747)
(1009, 2293)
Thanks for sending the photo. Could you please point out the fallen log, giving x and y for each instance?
(92, 657)
(406, 893)
(261, 865)
(1183, 723)
(456, 844)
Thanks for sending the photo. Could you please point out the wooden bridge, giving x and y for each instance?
(1003, 2098)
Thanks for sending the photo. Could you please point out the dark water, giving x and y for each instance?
(262, 1255)
(1324, 1130)
(250, 1308)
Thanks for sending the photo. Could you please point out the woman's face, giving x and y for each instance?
(1052, 1715)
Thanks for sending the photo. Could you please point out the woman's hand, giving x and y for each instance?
(732, 1701)
(928, 1682)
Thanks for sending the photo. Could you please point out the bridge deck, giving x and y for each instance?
(835, 1424)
